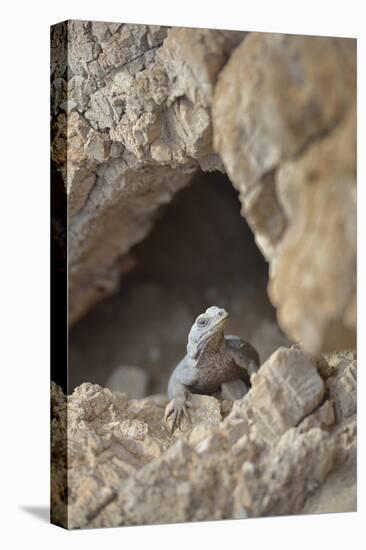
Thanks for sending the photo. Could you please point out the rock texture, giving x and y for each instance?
(285, 127)
(131, 124)
(142, 108)
(279, 450)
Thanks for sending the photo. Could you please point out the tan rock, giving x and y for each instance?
(286, 388)
(117, 463)
(136, 115)
(323, 417)
(205, 411)
(139, 114)
(343, 390)
(137, 127)
(284, 127)
(296, 466)
(313, 291)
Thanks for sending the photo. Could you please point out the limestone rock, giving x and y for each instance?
(286, 388)
(343, 390)
(323, 417)
(205, 411)
(271, 98)
(115, 462)
(296, 466)
(58, 450)
(143, 107)
(313, 291)
(284, 127)
(131, 124)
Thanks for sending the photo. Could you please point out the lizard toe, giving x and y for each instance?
(169, 410)
(175, 411)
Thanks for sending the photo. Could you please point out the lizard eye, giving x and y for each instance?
(201, 322)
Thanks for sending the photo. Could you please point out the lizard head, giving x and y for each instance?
(207, 326)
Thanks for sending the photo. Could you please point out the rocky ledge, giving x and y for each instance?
(287, 447)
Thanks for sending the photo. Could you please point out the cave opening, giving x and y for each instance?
(201, 252)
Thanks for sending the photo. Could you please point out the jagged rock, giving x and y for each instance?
(329, 288)
(323, 417)
(286, 388)
(116, 463)
(145, 107)
(338, 360)
(340, 489)
(296, 466)
(139, 114)
(284, 126)
(343, 389)
(131, 124)
(271, 98)
(130, 380)
(59, 463)
(205, 411)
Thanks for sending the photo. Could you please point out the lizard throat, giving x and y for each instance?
(212, 343)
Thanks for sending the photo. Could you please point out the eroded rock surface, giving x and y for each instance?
(144, 107)
(285, 127)
(278, 450)
(131, 124)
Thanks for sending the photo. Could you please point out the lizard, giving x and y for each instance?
(212, 360)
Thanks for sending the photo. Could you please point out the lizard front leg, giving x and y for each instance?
(177, 408)
(183, 376)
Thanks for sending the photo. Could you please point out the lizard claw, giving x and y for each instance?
(177, 409)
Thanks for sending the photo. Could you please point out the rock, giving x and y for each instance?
(328, 287)
(136, 113)
(137, 110)
(296, 466)
(271, 99)
(323, 417)
(212, 444)
(343, 390)
(91, 401)
(139, 128)
(286, 388)
(115, 462)
(338, 360)
(154, 494)
(235, 429)
(205, 411)
(133, 381)
(323, 367)
(59, 463)
(176, 488)
(284, 127)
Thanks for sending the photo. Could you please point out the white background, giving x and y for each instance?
(24, 336)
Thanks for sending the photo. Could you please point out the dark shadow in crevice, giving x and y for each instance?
(201, 252)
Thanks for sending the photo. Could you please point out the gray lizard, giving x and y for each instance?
(212, 360)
